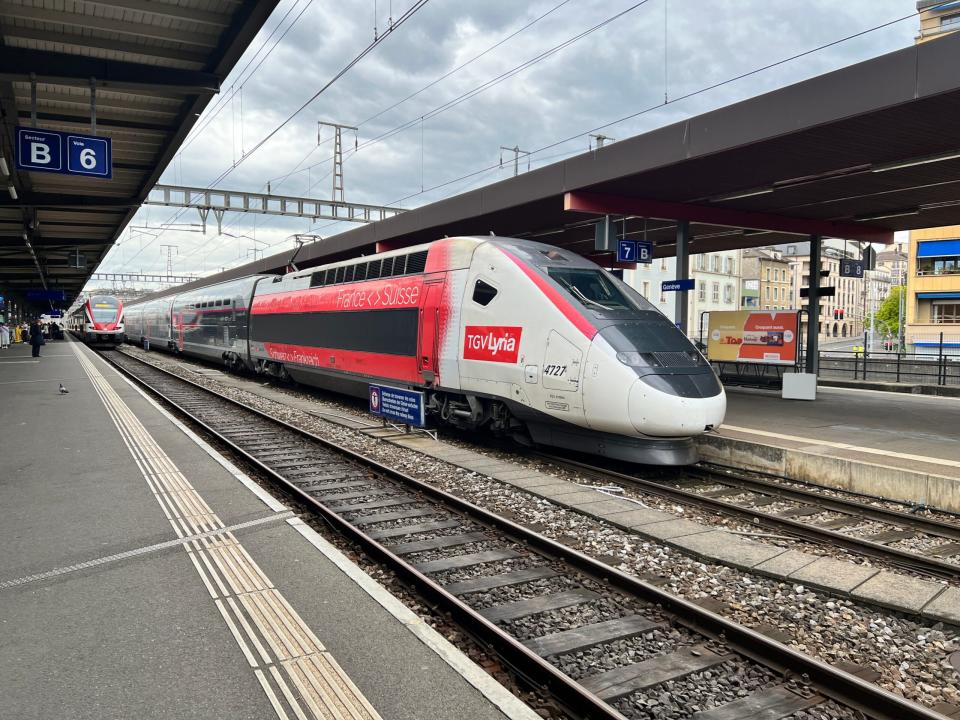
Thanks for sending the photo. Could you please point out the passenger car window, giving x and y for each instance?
(483, 293)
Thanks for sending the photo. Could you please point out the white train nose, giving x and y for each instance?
(660, 414)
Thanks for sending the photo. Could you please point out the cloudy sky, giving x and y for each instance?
(533, 74)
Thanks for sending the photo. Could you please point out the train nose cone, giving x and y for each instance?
(656, 413)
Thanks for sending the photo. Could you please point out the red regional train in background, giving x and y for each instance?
(98, 321)
(521, 338)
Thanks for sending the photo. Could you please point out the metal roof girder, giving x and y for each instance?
(104, 24)
(64, 69)
(603, 204)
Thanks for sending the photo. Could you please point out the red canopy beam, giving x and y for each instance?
(602, 204)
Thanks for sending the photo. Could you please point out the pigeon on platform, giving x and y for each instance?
(63, 390)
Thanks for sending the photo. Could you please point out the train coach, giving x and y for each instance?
(518, 337)
(98, 321)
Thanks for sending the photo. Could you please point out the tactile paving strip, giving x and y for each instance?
(298, 675)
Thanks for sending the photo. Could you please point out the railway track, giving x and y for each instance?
(602, 643)
(856, 526)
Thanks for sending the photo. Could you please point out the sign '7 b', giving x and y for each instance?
(64, 153)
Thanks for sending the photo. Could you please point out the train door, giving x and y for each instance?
(430, 329)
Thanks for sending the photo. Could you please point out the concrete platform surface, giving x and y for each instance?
(144, 576)
(894, 424)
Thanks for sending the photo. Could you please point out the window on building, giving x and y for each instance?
(728, 293)
(663, 264)
(946, 265)
(715, 264)
(663, 297)
(768, 275)
(729, 265)
(701, 292)
(646, 289)
(946, 311)
(950, 21)
(701, 262)
(766, 292)
(715, 295)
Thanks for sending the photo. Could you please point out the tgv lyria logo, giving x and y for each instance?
(493, 343)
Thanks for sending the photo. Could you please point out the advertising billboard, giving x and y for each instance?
(752, 336)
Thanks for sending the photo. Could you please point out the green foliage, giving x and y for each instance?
(887, 317)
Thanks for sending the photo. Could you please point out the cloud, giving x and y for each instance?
(610, 73)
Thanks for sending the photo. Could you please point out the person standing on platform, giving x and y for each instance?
(36, 337)
(4, 335)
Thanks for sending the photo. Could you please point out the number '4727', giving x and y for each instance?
(554, 369)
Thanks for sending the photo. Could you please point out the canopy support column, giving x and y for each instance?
(813, 314)
(681, 309)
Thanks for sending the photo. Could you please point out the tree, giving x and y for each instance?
(887, 317)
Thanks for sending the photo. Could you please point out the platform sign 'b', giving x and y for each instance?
(39, 150)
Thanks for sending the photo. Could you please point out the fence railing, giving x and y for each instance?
(934, 360)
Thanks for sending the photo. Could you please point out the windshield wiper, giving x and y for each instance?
(576, 291)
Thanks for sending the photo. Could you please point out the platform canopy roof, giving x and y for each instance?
(857, 153)
(157, 65)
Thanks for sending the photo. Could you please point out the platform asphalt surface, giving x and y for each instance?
(142, 636)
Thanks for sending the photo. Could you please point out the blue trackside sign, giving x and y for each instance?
(64, 153)
(397, 404)
(677, 285)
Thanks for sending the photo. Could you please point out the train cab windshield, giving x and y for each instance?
(596, 290)
(104, 309)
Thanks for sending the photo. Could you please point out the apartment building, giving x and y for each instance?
(773, 289)
(933, 288)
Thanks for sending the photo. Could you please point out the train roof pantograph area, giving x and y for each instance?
(156, 67)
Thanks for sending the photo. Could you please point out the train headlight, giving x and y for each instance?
(637, 359)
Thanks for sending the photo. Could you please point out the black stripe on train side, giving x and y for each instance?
(388, 332)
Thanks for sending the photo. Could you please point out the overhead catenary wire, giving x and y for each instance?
(661, 105)
(492, 82)
(410, 12)
(275, 182)
(223, 99)
(654, 107)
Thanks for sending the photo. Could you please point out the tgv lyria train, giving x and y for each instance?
(515, 336)
(99, 320)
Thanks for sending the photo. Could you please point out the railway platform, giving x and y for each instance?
(145, 576)
(895, 445)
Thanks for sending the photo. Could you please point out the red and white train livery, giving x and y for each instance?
(99, 320)
(511, 335)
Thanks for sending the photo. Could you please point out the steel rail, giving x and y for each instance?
(842, 505)
(839, 685)
(894, 556)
